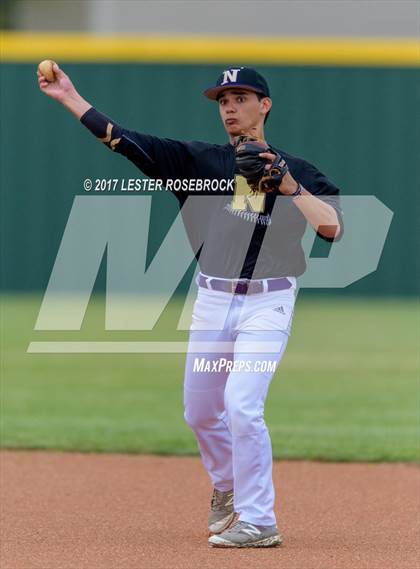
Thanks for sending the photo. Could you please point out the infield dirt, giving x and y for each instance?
(90, 511)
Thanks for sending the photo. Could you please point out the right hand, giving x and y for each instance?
(60, 89)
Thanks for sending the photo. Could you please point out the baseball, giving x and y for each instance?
(46, 69)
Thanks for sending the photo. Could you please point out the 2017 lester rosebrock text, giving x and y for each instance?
(150, 185)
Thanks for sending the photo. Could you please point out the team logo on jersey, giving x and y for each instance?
(230, 76)
(244, 199)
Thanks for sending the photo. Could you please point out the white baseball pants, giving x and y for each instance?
(235, 343)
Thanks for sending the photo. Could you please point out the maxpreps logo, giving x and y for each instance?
(138, 290)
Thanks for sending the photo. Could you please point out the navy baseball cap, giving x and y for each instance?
(245, 77)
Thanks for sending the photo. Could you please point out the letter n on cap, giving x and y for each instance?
(230, 76)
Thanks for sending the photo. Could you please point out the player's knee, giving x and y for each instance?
(191, 418)
(243, 419)
(197, 418)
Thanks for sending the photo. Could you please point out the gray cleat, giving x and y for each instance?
(244, 534)
(222, 513)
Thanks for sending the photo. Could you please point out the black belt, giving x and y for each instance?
(236, 286)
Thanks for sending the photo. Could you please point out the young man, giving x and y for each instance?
(250, 257)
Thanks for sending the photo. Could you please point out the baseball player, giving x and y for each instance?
(250, 257)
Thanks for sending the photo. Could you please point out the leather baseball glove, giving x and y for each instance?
(252, 166)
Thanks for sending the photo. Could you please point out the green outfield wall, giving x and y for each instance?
(360, 125)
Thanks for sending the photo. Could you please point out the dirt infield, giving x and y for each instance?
(81, 511)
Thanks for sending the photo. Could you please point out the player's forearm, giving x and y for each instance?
(76, 104)
(101, 126)
(320, 215)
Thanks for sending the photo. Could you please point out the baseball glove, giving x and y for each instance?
(252, 166)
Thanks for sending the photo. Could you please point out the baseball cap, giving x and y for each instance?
(245, 77)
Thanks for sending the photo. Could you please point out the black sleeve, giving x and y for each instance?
(319, 185)
(155, 157)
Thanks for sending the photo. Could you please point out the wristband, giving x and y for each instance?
(298, 191)
(102, 127)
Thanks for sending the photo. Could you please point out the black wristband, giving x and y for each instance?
(102, 127)
(298, 191)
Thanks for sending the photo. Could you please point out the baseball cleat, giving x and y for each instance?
(244, 534)
(222, 513)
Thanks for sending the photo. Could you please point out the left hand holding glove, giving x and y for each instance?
(262, 167)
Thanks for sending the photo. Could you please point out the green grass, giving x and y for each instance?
(347, 388)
